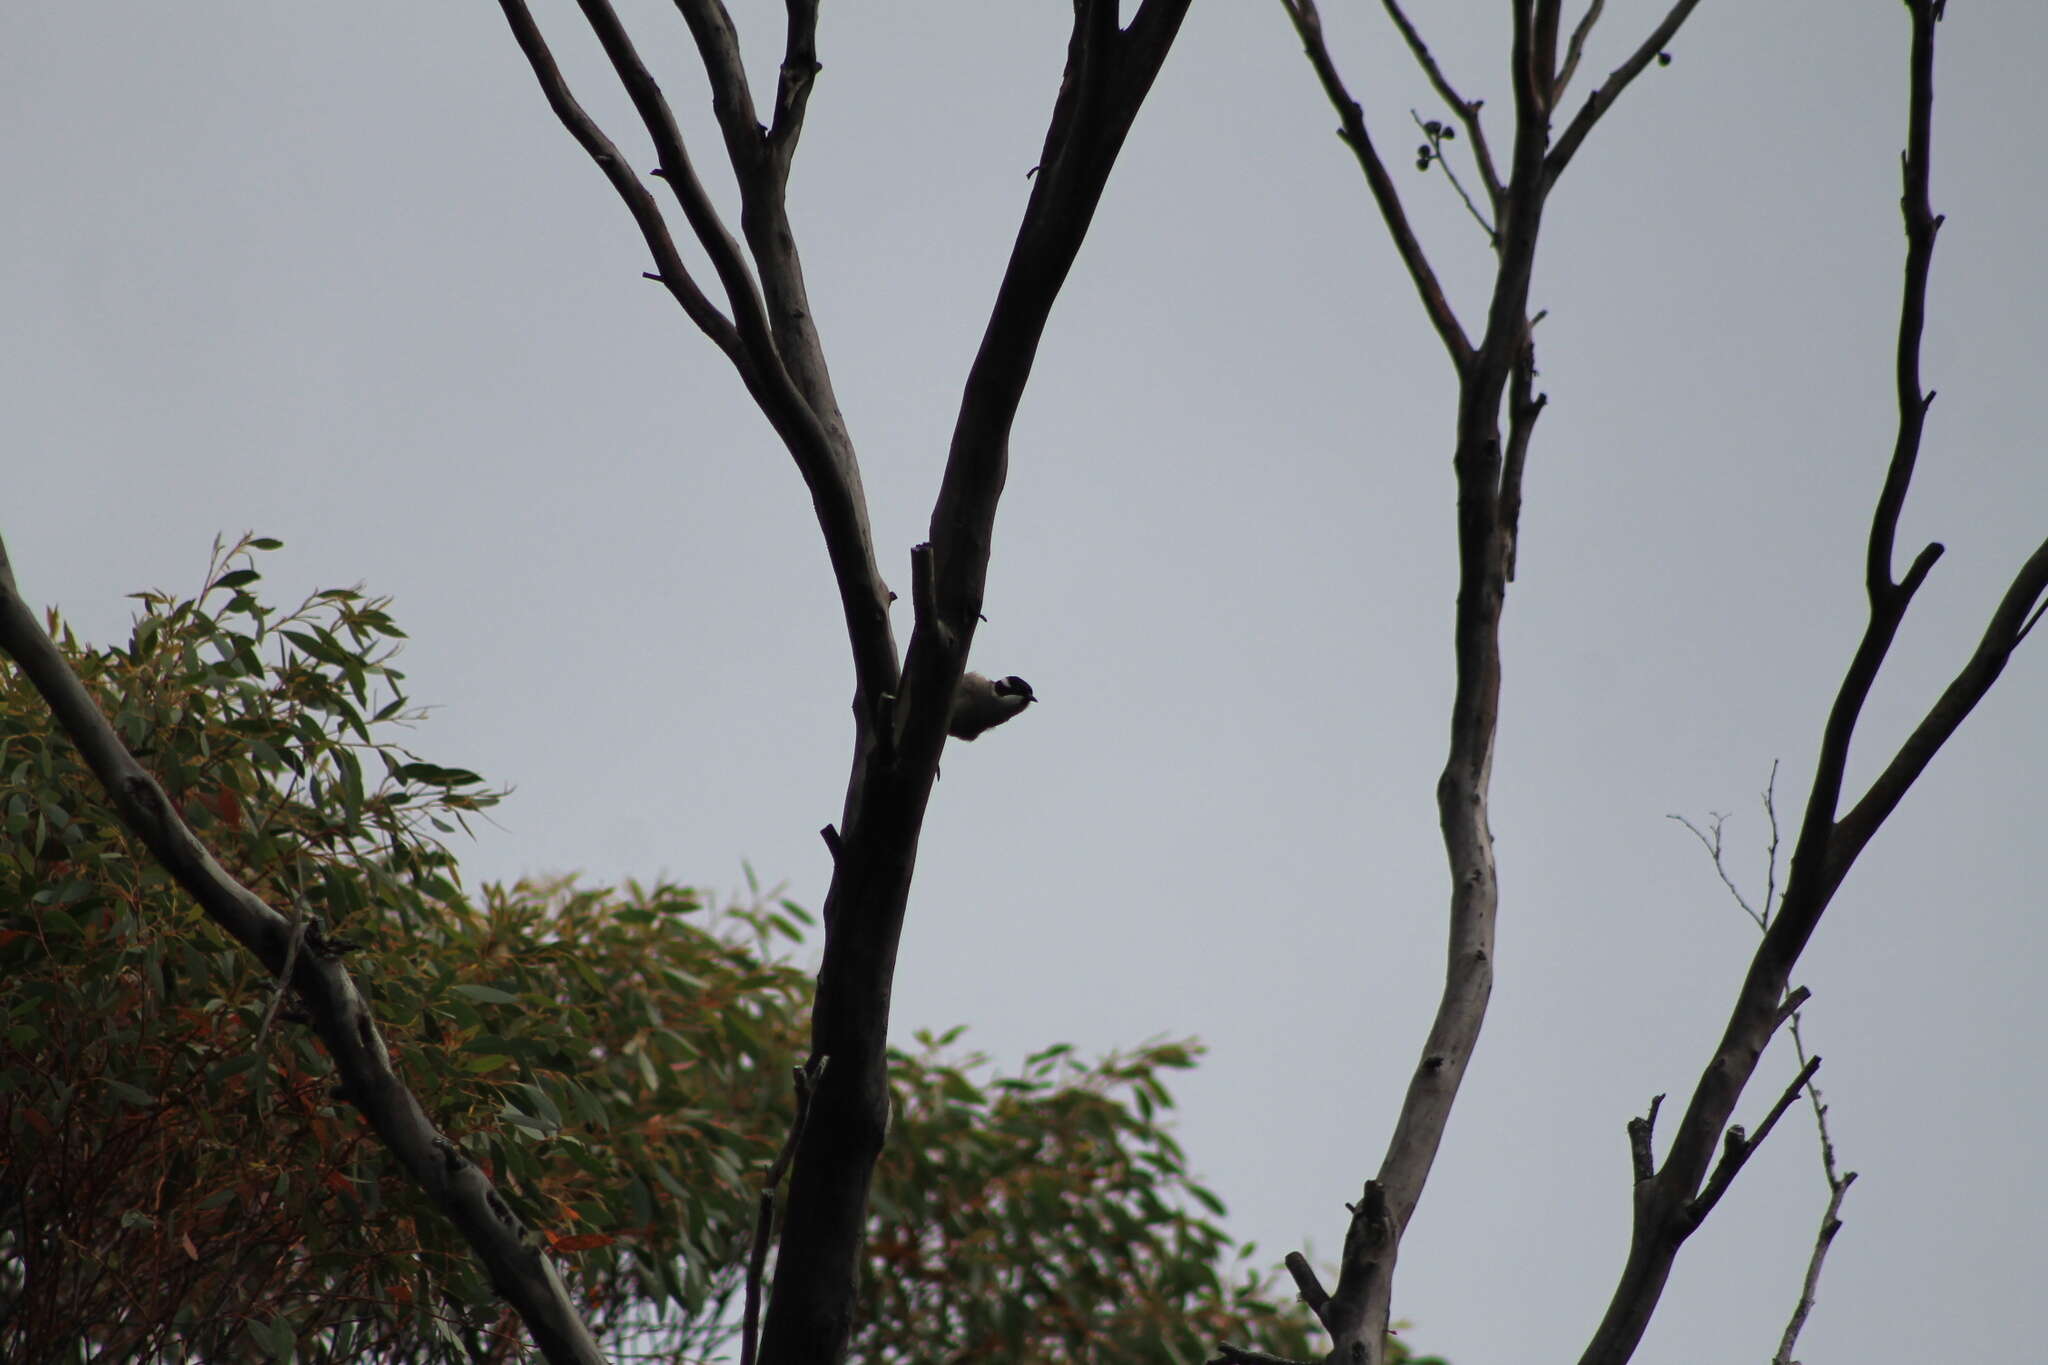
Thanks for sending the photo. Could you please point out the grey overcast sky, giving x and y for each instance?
(333, 273)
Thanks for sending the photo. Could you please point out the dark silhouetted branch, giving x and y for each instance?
(1466, 110)
(1607, 92)
(793, 81)
(1788, 1012)
(1436, 133)
(1305, 1282)
(1642, 1133)
(1575, 49)
(1308, 23)
(778, 360)
(1736, 1148)
(1108, 72)
(1826, 848)
(670, 272)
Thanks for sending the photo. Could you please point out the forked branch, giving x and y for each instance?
(1608, 91)
(1575, 49)
(1826, 847)
(1109, 70)
(1308, 24)
(769, 340)
(1466, 110)
(669, 268)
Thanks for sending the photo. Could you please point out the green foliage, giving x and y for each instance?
(178, 1183)
(1050, 1216)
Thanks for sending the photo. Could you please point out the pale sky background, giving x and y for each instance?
(334, 273)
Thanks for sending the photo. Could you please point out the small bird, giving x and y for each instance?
(980, 704)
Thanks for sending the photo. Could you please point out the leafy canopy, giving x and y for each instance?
(178, 1181)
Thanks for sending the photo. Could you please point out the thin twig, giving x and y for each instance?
(1466, 110)
(1710, 840)
(1838, 1185)
(1830, 1224)
(1435, 133)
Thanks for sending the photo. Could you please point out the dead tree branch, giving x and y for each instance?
(1575, 49)
(1838, 1183)
(1109, 70)
(519, 1270)
(1433, 151)
(1826, 846)
(1308, 23)
(777, 358)
(1466, 110)
(1495, 373)
(1608, 91)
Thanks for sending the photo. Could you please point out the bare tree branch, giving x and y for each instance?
(760, 162)
(1838, 1190)
(793, 81)
(1737, 1147)
(1543, 51)
(1500, 368)
(1311, 1289)
(900, 715)
(1789, 1011)
(1826, 849)
(1642, 1156)
(1830, 1224)
(1436, 133)
(2004, 634)
(1498, 372)
(1604, 95)
(1108, 73)
(519, 1270)
(1308, 23)
(812, 431)
(1525, 405)
(1466, 110)
(1575, 49)
(646, 213)
(680, 175)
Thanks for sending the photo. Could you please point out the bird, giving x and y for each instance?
(982, 704)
